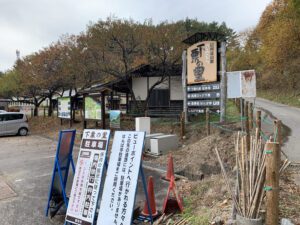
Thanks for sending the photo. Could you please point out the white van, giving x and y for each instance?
(13, 123)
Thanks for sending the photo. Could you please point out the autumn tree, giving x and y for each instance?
(10, 84)
(117, 47)
(163, 47)
(31, 84)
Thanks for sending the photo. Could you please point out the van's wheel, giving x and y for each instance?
(23, 131)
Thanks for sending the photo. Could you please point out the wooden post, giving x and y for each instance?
(247, 130)
(258, 123)
(182, 125)
(242, 107)
(277, 131)
(278, 136)
(183, 77)
(103, 109)
(223, 83)
(272, 151)
(238, 101)
(207, 122)
(127, 103)
(44, 112)
(250, 108)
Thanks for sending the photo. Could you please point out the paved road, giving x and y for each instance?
(25, 166)
(290, 116)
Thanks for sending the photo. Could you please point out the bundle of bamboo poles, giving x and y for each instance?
(250, 174)
(165, 219)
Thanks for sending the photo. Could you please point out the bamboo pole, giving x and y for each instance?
(247, 127)
(272, 152)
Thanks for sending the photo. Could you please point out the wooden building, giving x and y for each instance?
(157, 93)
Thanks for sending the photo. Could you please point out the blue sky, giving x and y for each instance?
(29, 25)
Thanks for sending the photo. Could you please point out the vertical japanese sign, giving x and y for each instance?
(64, 107)
(122, 177)
(115, 118)
(87, 180)
(202, 62)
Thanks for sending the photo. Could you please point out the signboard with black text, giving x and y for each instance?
(202, 62)
(88, 176)
(122, 177)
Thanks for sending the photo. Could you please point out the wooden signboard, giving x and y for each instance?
(202, 62)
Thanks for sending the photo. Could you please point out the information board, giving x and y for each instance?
(87, 180)
(115, 118)
(202, 96)
(203, 103)
(203, 87)
(248, 84)
(64, 107)
(241, 84)
(92, 108)
(119, 192)
(202, 62)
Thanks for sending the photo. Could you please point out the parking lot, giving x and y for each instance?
(26, 165)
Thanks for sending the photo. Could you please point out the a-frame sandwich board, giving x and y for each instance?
(88, 176)
(125, 165)
(57, 192)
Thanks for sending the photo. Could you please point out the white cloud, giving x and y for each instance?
(29, 25)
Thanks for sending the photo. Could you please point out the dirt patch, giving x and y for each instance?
(5, 190)
(198, 160)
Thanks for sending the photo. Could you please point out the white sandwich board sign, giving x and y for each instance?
(241, 84)
(120, 186)
(88, 175)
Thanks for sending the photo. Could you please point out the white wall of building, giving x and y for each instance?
(139, 86)
(176, 88)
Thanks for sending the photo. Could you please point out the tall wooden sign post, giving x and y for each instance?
(223, 82)
(184, 86)
(204, 74)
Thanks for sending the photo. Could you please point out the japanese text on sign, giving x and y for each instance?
(88, 175)
(122, 177)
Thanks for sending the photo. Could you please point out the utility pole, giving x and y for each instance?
(223, 83)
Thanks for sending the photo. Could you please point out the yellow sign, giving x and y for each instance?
(202, 62)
